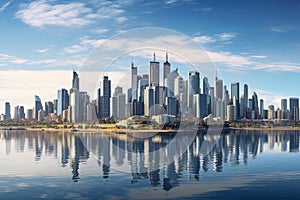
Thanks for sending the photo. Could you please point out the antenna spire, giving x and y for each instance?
(154, 57)
(166, 56)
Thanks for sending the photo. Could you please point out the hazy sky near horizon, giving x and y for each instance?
(255, 42)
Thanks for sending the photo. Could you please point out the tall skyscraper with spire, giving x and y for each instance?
(166, 69)
(154, 72)
(75, 80)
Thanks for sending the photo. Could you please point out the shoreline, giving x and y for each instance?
(142, 131)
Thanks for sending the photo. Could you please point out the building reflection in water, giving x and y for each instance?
(141, 155)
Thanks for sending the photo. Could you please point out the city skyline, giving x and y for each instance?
(250, 47)
(149, 96)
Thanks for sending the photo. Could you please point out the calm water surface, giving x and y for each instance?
(56, 165)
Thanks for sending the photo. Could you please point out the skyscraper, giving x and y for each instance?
(283, 104)
(169, 82)
(261, 108)
(255, 105)
(148, 101)
(134, 82)
(246, 96)
(121, 103)
(166, 69)
(74, 105)
(21, 112)
(294, 105)
(219, 89)
(75, 81)
(7, 111)
(105, 100)
(37, 106)
(154, 72)
(194, 87)
(205, 86)
(62, 100)
(235, 92)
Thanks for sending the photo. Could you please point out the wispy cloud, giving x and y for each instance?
(5, 6)
(226, 36)
(258, 56)
(280, 29)
(43, 13)
(6, 60)
(205, 10)
(100, 30)
(42, 50)
(204, 39)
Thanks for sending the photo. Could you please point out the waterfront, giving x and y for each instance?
(61, 165)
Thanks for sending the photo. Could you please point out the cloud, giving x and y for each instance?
(280, 29)
(3, 8)
(85, 44)
(42, 50)
(205, 10)
(226, 36)
(100, 30)
(44, 13)
(6, 60)
(204, 39)
(257, 56)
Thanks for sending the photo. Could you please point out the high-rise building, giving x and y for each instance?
(29, 114)
(16, 112)
(121, 105)
(74, 105)
(219, 89)
(149, 101)
(169, 82)
(134, 82)
(171, 106)
(154, 72)
(37, 106)
(105, 98)
(55, 106)
(294, 103)
(84, 100)
(201, 105)
(62, 100)
(271, 112)
(194, 87)
(230, 113)
(91, 112)
(283, 104)
(235, 92)
(98, 103)
(205, 86)
(261, 108)
(178, 86)
(246, 96)
(7, 111)
(255, 105)
(21, 112)
(284, 109)
(166, 69)
(75, 81)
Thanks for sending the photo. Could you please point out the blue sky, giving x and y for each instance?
(255, 42)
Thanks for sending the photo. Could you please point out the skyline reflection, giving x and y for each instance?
(115, 152)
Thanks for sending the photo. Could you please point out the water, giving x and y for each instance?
(57, 165)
